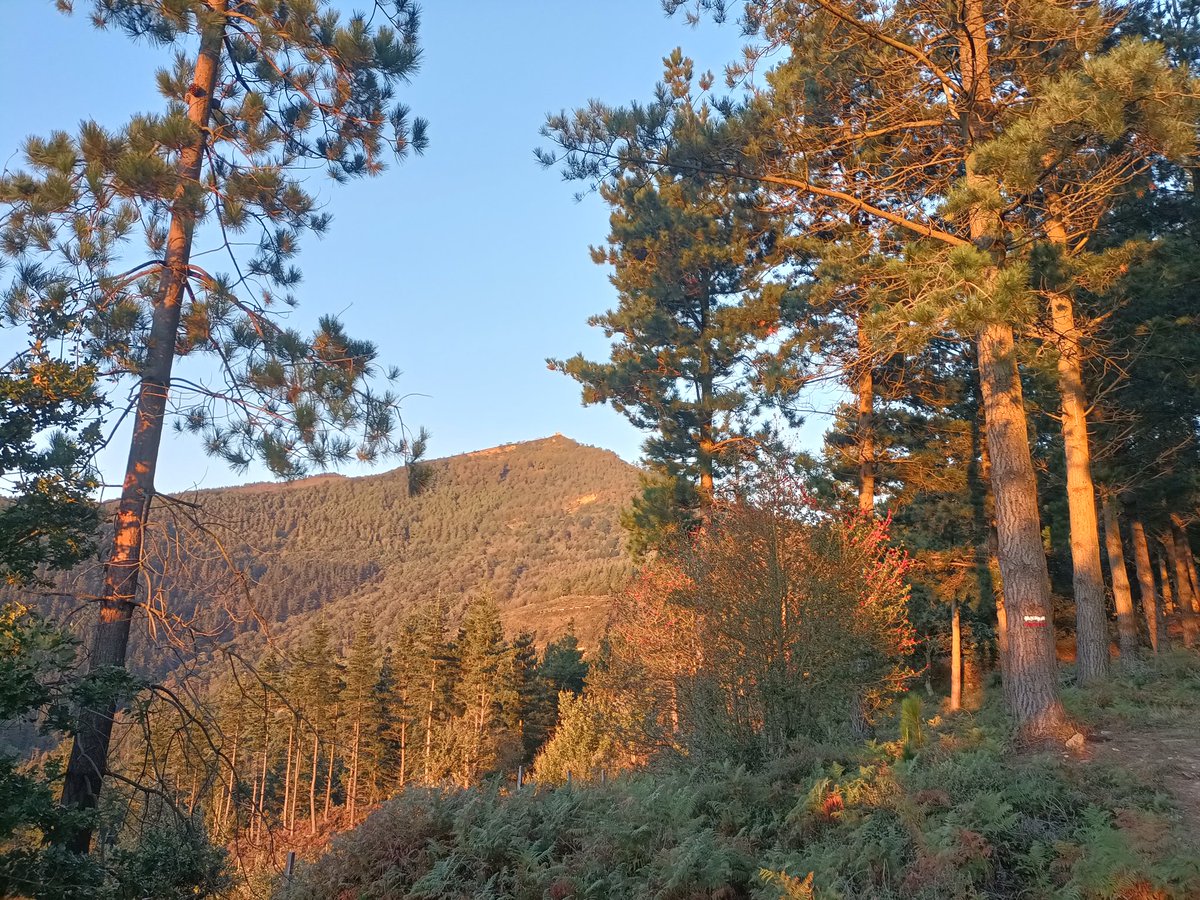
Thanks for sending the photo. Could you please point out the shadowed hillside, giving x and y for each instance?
(532, 524)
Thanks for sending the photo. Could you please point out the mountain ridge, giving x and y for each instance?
(533, 524)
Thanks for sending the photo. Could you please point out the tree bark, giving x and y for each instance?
(1156, 625)
(1031, 668)
(956, 675)
(1091, 629)
(1186, 599)
(110, 640)
(312, 787)
(1164, 579)
(287, 778)
(1122, 595)
(866, 425)
(353, 798)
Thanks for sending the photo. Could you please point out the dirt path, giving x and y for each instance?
(1170, 753)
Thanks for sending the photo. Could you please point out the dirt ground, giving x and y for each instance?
(1172, 753)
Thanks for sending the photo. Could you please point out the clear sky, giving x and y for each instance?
(467, 266)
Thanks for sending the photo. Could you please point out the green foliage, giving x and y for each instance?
(160, 856)
(47, 437)
(778, 620)
(966, 816)
(912, 727)
(300, 85)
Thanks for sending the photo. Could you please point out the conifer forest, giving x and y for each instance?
(898, 599)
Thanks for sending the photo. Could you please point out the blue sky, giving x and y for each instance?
(467, 266)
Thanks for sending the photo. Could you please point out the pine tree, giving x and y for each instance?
(1016, 152)
(362, 682)
(690, 265)
(269, 89)
(483, 690)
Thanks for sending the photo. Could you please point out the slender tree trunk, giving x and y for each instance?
(261, 812)
(110, 640)
(866, 424)
(287, 778)
(429, 729)
(312, 787)
(328, 785)
(1122, 595)
(1156, 626)
(1189, 604)
(956, 674)
(1030, 666)
(1091, 629)
(296, 777)
(254, 803)
(353, 799)
(224, 810)
(403, 754)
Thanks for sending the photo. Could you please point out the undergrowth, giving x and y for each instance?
(961, 816)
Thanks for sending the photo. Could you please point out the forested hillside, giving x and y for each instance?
(533, 525)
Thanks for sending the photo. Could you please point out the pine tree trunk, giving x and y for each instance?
(956, 678)
(110, 640)
(1091, 629)
(353, 797)
(403, 754)
(1030, 669)
(312, 787)
(296, 780)
(1164, 579)
(1156, 625)
(262, 794)
(429, 730)
(1189, 560)
(287, 778)
(1122, 595)
(328, 786)
(1030, 665)
(223, 810)
(1186, 600)
(866, 424)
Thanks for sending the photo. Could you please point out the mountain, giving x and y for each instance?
(534, 524)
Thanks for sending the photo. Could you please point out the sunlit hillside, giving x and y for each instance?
(534, 525)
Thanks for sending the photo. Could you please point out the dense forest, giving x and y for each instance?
(949, 649)
(534, 526)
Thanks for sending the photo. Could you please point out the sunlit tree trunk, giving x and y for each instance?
(1030, 665)
(328, 785)
(1164, 578)
(865, 390)
(1122, 595)
(956, 668)
(1030, 668)
(1156, 625)
(352, 800)
(110, 640)
(223, 810)
(287, 778)
(1186, 599)
(1091, 629)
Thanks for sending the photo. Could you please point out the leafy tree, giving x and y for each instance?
(269, 90)
(776, 622)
